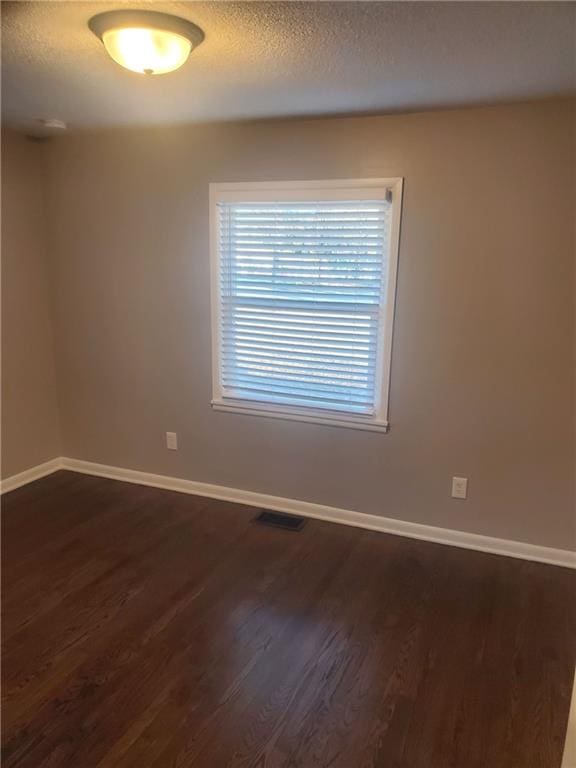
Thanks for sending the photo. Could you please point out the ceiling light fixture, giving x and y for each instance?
(148, 42)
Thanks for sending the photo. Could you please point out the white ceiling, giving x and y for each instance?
(272, 59)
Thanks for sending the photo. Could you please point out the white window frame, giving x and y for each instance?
(297, 191)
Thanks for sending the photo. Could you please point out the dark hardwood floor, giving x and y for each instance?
(149, 629)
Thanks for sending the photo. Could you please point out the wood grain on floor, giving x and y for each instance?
(148, 629)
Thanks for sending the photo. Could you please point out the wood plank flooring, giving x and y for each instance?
(149, 629)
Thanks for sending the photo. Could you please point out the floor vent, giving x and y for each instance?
(280, 520)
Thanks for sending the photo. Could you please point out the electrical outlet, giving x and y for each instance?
(172, 441)
(459, 487)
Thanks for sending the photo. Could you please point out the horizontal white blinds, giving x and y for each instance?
(301, 291)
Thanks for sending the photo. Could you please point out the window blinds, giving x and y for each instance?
(302, 287)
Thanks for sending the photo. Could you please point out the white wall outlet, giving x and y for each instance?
(459, 487)
(172, 441)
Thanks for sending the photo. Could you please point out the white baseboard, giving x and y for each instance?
(34, 473)
(476, 541)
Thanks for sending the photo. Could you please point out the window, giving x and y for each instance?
(303, 283)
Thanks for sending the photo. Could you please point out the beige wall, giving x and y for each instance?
(482, 374)
(30, 433)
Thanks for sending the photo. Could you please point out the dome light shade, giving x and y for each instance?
(147, 42)
(151, 51)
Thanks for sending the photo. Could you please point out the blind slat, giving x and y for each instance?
(284, 321)
(330, 339)
(299, 364)
(261, 396)
(312, 296)
(283, 350)
(279, 377)
(327, 346)
(303, 391)
(361, 261)
(268, 327)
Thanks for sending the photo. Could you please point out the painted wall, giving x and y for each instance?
(30, 431)
(482, 373)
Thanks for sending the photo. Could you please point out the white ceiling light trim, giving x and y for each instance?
(147, 42)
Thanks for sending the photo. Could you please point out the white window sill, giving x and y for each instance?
(295, 414)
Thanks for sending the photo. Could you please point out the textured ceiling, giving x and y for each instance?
(271, 59)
